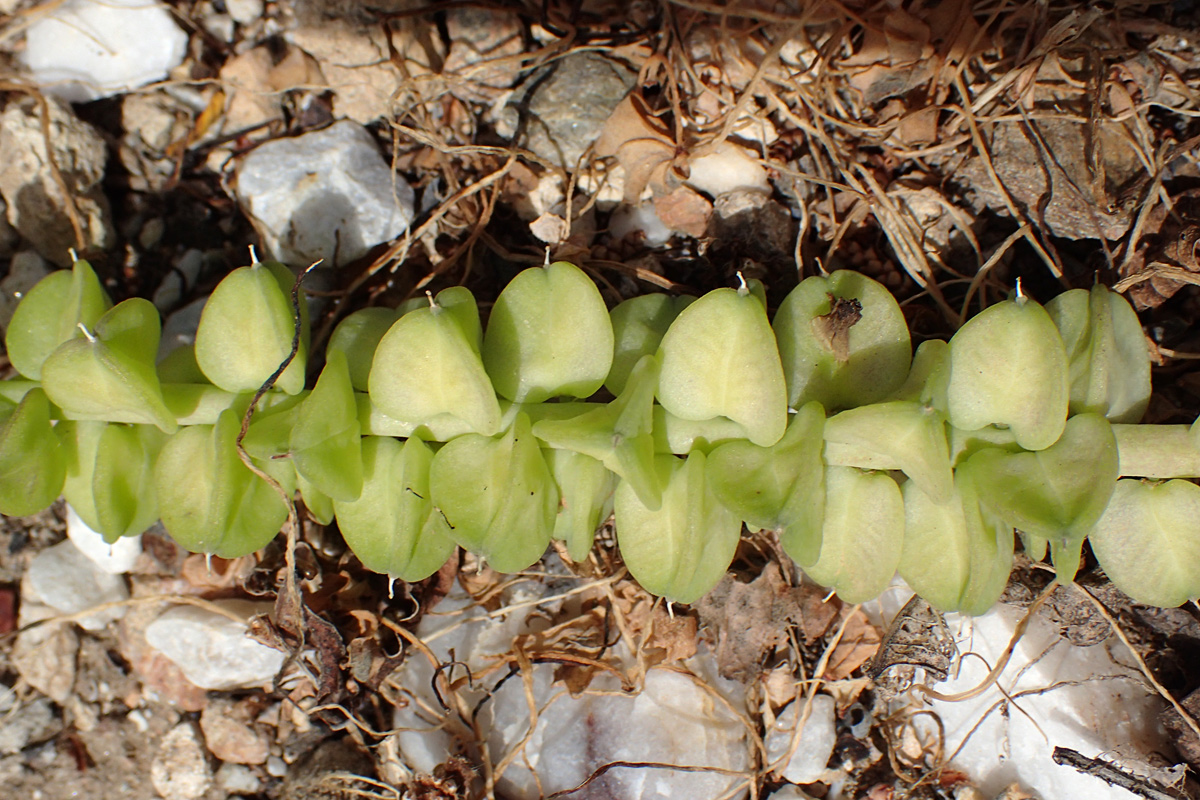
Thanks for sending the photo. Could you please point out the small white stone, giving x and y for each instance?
(276, 767)
(87, 49)
(816, 740)
(180, 769)
(213, 650)
(632, 219)
(244, 11)
(672, 721)
(66, 580)
(237, 779)
(324, 195)
(115, 559)
(729, 168)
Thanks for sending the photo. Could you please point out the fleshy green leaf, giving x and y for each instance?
(929, 377)
(393, 526)
(32, 463)
(1008, 367)
(51, 313)
(358, 335)
(80, 439)
(1057, 493)
(619, 434)
(781, 487)
(209, 501)
(955, 555)
(427, 369)
(912, 435)
(325, 441)
(498, 495)
(719, 360)
(681, 550)
(639, 325)
(862, 536)
(123, 480)
(319, 504)
(585, 489)
(110, 374)
(1148, 541)
(246, 331)
(843, 341)
(549, 335)
(673, 434)
(1109, 362)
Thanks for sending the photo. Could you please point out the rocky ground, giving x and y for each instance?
(945, 148)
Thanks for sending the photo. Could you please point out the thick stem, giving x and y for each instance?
(1157, 451)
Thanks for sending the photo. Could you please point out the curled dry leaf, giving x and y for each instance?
(641, 144)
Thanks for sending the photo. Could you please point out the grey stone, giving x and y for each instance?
(671, 721)
(9, 238)
(25, 270)
(30, 722)
(36, 205)
(563, 107)
(1075, 207)
(324, 195)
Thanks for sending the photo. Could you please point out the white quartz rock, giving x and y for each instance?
(641, 218)
(327, 194)
(729, 168)
(83, 50)
(814, 745)
(1085, 698)
(116, 558)
(66, 580)
(671, 721)
(212, 649)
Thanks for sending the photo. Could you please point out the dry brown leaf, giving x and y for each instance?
(858, 645)
(641, 144)
(550, 228)
(749, 620)
(895, 57)
(919, 127)
(817, 614)
(673, 638)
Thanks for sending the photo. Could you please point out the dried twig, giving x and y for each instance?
(1113, 775)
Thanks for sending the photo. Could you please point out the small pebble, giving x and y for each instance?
(237, 779)
(88, 49)
(115, 559)
(324, 195)
(180, 770)
(65, 579)
(213, 650)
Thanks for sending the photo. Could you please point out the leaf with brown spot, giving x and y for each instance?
(833, 329)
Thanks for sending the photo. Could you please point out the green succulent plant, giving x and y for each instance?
(427, 430)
